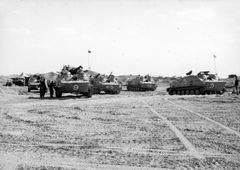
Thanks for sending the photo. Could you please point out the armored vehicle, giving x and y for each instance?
(9, 82)
(33, 82)
(73, 80)
(140, 84)
(107, 85)
(202, 83)
(230, 81)
(19, 81)
(76, 87)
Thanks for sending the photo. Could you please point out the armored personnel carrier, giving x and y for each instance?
(73, 82)
(19, 81)
(230, 81)
(108, 86)
(76, 87)
(141, 84)
(202, 83)
(33, 82)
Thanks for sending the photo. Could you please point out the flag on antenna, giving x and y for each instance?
(89, 51)
(214, 56)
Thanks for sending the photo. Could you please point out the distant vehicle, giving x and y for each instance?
(230, 81)
(202, 83)
(19, 81)
(33, 82)
(141, 84)
(9, 82)
(107, 86)
(76, 87)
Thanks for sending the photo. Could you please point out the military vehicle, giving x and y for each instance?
(9, 82)
(19, 81)
(33, 82)
(230, 81)
(141, 84)
(76, 87)
(202, 83)
(72, 82)
(108, 86)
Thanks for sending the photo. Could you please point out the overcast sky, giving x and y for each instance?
(157, 37)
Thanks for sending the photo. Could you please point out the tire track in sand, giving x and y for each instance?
(206, 118)
(182, 138)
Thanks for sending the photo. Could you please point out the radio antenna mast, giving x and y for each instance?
(89, 53)
(215, 67)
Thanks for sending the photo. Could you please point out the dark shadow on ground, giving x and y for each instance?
(65, 97)
(34, 91)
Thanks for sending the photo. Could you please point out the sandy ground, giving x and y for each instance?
(132, 130)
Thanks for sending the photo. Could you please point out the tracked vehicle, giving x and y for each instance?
(139, 84)
(77, 87)
(33, 82)
(107, 85)
(202, 83)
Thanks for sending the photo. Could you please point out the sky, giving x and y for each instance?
(156, 37)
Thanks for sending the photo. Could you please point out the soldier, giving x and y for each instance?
(43, 88)
(51, 86)
(236, 84)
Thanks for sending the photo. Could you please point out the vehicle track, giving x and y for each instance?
(206, 118)
(184, 140)
(52, 147)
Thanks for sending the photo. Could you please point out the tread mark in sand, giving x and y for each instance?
(183, 139)
(210, 120)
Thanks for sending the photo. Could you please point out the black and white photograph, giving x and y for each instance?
(119, 84)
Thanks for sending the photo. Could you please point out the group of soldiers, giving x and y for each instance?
(46, 85)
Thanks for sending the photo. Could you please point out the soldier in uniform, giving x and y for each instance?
(43, 88)
(236, 84)
(51, 86)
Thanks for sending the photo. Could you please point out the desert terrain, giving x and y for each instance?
(132, 130)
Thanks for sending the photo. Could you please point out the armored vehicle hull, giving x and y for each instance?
(137, 85)
(108, 88)
(33, 86)
(33, 83)
(18, 81)
(76, 87)
(195, 85)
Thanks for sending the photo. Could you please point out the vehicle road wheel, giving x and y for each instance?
(197, 92)
(187, 92)
(174, 92)
(191, 92)
(182, 92)
(118, 91)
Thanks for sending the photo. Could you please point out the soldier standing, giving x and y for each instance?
(236, 84)
(50, 86)
(43, 88)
